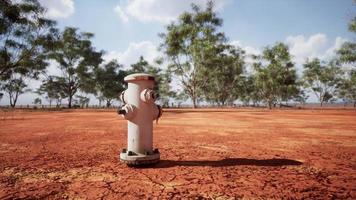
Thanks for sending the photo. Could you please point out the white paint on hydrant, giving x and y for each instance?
(140, 111)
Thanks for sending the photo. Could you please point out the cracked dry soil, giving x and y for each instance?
(205, 154)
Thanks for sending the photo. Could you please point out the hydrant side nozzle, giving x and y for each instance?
(128, 111)
(121, 111)
(148, 96)
(122, 97)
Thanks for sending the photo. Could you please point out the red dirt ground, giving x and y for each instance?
(215, 154)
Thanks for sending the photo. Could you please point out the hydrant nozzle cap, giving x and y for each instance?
(139, 77)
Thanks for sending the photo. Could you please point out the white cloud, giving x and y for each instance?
(58, 8)
(314, 46)
(302, 48)
(124, 18)
(162, 11)
(330, 52)
(250, 51)
(131, 55)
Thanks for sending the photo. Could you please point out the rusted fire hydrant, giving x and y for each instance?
(140, 111)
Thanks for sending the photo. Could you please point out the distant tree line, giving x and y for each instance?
(197, 55)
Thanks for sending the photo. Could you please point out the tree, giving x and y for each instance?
(225, 65)
(322, 79)
(141, 66)
(14, 87)
(347, 88)
(83, 101)
(347, 52)
(164, 89)
(302, 97)
(37, 101)
(163, 78)
(248, 91)
(24, 37)
(78, 61)
(1, 95)
(109, 82)
(347, 55)
(276, 77)
(54, 90)
(185, 44)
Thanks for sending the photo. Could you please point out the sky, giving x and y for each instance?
(126, 29)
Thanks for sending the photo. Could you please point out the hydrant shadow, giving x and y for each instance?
(275, 162)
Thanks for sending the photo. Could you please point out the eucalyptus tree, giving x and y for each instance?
(347, 56)
(53, 89)
(14, 87)
(248, 90)
(347, 52)
(83, 101)
(37, 101)
(302, 97)
(224, 66)
(163, 78)
(276, 78)
(77, 60)
(25, 37)
(347, 88)
(165, 92)
(109, 80)
(322, 79)
(185, 44)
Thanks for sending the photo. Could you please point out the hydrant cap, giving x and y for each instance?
(139, 77)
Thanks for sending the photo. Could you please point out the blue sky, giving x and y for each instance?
(255, 23)
(126, 29)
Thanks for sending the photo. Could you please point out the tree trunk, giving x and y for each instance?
(270, 105)
(354, 104)
(194, 102)
(13, 101)
(321, 104)
(108, 103)
(70, 101)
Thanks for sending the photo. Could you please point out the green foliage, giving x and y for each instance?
(223, 67)
(276, 78)
(37, 101)
(14, 87)
(347, 52)
(163, 78)
(248, 91)
(54, 89)
(347, 88)
(78, 61)
(186, 44)
(83, 101)
(24, 38)
(109, 82)
(347, 55)
(322, 79)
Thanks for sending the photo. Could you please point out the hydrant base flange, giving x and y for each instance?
(139, 159)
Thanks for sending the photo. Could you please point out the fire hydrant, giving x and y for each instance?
(140, 111)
